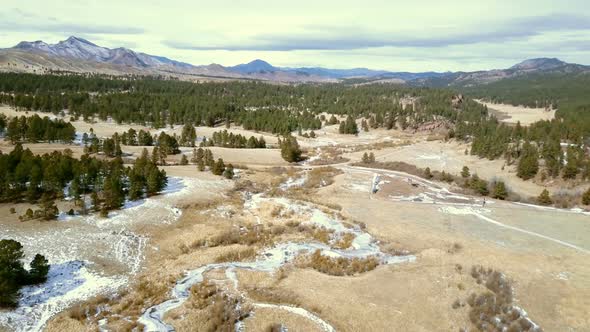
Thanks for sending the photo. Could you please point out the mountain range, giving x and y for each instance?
(79, 55)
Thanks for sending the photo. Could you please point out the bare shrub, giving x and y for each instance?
(276, 327)
(201, 294)
(236, 255)
(493, 310)
(345, 241)
(321, 177)
(273, 295)
(322, 235)
(455, 248)
(222, 311)
(341, 266)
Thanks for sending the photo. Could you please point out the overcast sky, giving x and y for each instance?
(411, 35)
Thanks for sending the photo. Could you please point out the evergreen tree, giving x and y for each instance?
(218, 167)
(290, 150)
(528, 165)
(427, 173)
(586, 197)
(365, 158)
(183, 160)
(48, 207)
(229, 172)
(544, 198)
(500, 191)
(465, 172)
(39, 269)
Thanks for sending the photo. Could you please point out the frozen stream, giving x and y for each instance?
(271, 259)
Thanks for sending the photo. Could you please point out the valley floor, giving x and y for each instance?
(245, 249)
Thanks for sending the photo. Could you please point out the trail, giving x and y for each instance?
(467, 208)
(471, 211)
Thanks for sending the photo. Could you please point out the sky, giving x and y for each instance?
(410, 35)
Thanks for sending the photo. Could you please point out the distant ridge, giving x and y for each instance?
(80, 55)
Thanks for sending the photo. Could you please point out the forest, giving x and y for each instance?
(236, 141)
(42, 179)
(282, 109)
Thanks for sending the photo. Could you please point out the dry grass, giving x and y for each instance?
(219, 311)
(273, 295)
(322, 235)
(345, 241)
(340, 266)
(321, 177)
(276, 327)
(236, 255)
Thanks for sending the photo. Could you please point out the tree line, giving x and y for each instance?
(44, 178)
(34, 129)
(236, 141)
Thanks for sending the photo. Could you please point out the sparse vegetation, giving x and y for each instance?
(493, 310)
(340, 266)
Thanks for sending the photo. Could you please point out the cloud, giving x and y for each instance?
(352, 38)
(17, 20)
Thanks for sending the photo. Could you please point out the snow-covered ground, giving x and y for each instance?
(89, 255)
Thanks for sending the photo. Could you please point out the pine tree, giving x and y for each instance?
(528, 165)
(48, 207)
(39, 269)
(465, 172)
(544, 198)
(500, 191)
(290, 150)
(183, 160)
(218, 167)
(229, 172)
(371, 158)
(586, 197)
(95, 201)
(365, 158)
(427, 173)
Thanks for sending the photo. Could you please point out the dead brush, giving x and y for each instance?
(273, 295)
(225, 312)
(202, 294)
(276, 327)
(221, 311)
(236, 255)
(340, 266)
(321, 177)
(493, 310)
(345, 241)
(322, 235)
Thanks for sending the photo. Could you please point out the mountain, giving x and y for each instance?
(82, 49)
(79, 55)
(539, 66)
(256, 66)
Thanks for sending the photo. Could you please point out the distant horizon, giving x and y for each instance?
(456, 35)
(280, 66)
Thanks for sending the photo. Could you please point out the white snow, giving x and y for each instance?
(67, 283)
(73, 245)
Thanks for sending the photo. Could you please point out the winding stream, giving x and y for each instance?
(269, 261)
